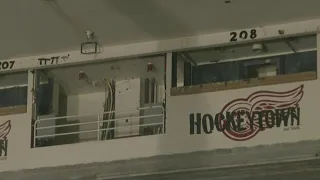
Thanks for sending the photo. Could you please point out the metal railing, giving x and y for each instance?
(98, 121)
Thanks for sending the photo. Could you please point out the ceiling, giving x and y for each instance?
(46, 26)
(245, 51)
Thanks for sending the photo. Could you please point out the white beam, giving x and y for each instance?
(156, 47)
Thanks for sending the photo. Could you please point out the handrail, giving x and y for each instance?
(86, 123)
(98, 122)
(87, 131)
(82, 115)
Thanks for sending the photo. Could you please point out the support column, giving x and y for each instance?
(168, 73)
(30, 94)
(318, 54)
(31, 101)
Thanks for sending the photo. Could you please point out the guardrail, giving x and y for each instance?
(98, 122)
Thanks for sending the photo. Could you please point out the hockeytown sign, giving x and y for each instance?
(243, 118)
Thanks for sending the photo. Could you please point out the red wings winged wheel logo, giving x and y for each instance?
(5, 129)
(259, 101)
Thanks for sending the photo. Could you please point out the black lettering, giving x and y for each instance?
(233, 37)
(282, 115)
(240, 120)
(270, 118)
(11, 64)
(253, 33)
(55, 59)
(243, 35)
(217, 119)
(207, 118)
(262, 113)
(252, 117)
(43, 61)
(5, 65)
(295, 115)
(65, 57)
(230, 116)
(195, 124)
(3, 147)
(278, 117)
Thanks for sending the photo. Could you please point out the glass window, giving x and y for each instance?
(13, 96)
(13, 89)
(236, 66)
(254, 68)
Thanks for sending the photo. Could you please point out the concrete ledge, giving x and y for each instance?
(215, 159)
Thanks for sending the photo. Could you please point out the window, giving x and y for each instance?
(13, 96)
(13, 93)
(277, 61)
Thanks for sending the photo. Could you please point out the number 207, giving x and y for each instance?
(6, 65)
(252, 34)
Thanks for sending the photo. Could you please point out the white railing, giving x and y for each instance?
(99, 120)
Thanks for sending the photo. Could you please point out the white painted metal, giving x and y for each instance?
(98, 121)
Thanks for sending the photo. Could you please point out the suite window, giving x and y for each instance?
(228, 67)
(13, 93)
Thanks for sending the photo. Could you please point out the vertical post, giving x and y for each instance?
(98, 130)
(34, 134)
(32, 105)
(318, 54)
(163, 120)
(168, 86)
(168, 72)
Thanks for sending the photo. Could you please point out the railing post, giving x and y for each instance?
(35, 133)
(163, 120)
(98, 130)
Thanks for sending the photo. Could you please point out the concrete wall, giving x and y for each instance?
(177, 139)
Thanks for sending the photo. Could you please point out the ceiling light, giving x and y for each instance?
(258, 47)
(90, 46)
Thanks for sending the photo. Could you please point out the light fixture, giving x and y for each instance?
(89, 46)
(150, 67)
(82, 75)
(258, 47)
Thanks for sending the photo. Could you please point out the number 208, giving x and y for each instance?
(235, 36)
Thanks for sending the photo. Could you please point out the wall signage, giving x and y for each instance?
(5, 129)
(4, 65)
(243, 118)
(52, 60)
(243, 35)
